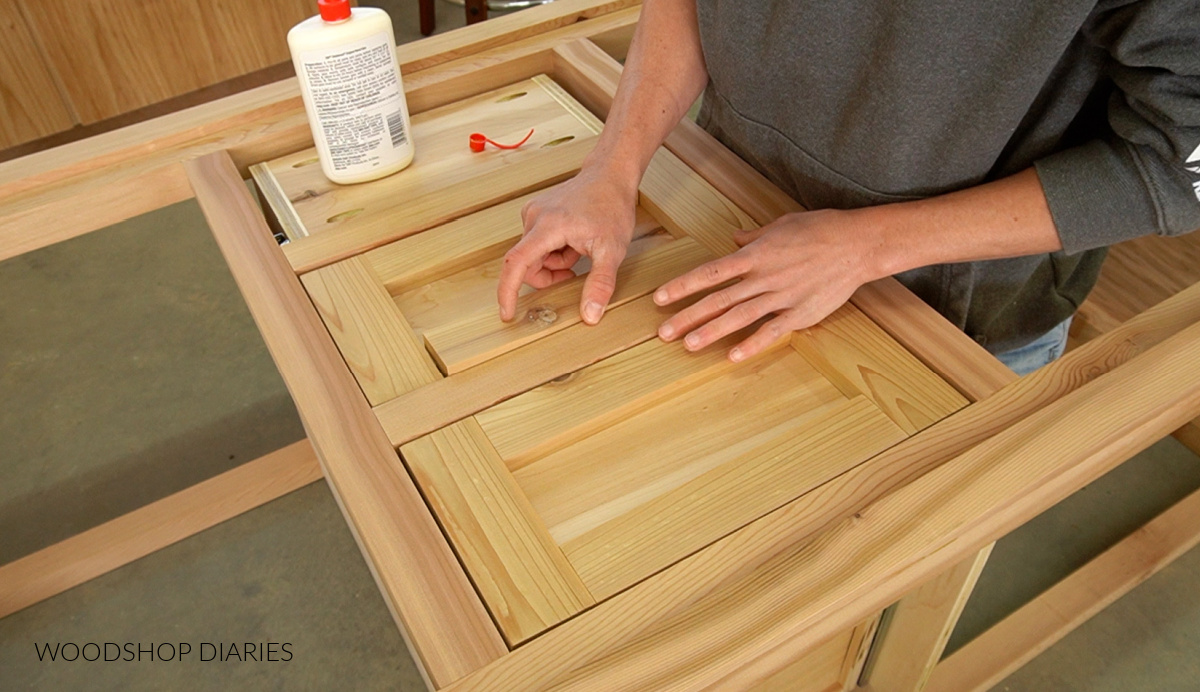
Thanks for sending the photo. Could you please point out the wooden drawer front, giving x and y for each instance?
(566, 463)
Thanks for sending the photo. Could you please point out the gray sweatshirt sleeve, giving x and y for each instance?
(1145, 176)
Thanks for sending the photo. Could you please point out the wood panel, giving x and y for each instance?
(712, 415)
(116, 543)
(116, 57)
(478, 336)
(31, 105)
(453, 398)
(686, 205)
(849, 349)
(381, 350)
(522, 575)
(745, 587)
(436, 607)
(640, 542)
(1036, 626)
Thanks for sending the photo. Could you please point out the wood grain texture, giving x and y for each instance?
(481, 335)
(453, 398)
(624, 551)
(708, 593)
(31, 105)
(847, 347)
(80, 187)
(683, 430)
(116, 543)
(687, 206)
(114, 58)
(591, 77)
(545, 419)
(836, 671)
(522, 575)
(1036, 626)
(446, 179)
(436, 607)
(381, 350)
(920, 625)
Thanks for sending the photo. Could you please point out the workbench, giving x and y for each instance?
(827, 542)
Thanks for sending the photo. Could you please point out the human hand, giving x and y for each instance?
(801, 268)
(591, 215)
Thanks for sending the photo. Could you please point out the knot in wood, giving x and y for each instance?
(541, 313)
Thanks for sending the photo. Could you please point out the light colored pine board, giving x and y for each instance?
(379, 347)
(453, 398)
(479, 336)
(954, 356)
(522, 575)
(461, 244)
(816, 672)
(1036, 626)
(448, 249)
(446, 179)
(566, 410)
(683, 430)
(848, 348)
(118, 542)
(435, 606)
(591, 77)
(84, 186)
(920, 625)
(431, 305)
(31, 105)
(624, 551)
(687, 206)
(745, 585)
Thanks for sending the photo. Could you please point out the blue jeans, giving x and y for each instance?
(1042, 351)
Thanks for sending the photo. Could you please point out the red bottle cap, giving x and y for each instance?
(334, 10)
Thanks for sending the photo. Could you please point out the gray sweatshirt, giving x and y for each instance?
(850, 104)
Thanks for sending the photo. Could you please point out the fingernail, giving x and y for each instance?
(692, 341)
(592, 312)
(660, 297)
(736, 355)
(666, 331)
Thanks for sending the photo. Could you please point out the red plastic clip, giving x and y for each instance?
(479, 142)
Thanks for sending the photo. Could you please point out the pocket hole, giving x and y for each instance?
(344, 215)
(560, 140)
(305, 162)
(511, 97)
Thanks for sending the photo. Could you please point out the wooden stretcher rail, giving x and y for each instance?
(444, 622)
(116, 543)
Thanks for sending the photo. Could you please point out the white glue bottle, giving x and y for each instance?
(346, 63)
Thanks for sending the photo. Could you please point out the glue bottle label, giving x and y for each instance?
(359, 103)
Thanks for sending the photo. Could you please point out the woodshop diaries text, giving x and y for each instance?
(166, 651)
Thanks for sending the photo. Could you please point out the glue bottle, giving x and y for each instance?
(345, 60)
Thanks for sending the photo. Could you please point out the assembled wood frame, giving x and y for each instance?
(983, 487)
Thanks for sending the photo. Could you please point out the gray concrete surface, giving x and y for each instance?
(129, 368)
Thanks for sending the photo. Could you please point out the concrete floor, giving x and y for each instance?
(129, 368)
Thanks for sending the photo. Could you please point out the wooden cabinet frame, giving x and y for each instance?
(735, 615)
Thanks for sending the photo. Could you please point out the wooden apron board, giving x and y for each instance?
(567, 463)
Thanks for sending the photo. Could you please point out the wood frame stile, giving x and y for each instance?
(757, 600)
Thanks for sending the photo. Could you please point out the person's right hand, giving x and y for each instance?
(591, 215)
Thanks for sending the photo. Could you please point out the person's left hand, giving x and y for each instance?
(801, 267)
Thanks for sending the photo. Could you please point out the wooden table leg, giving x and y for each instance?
(428, 16)
(476, 11)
